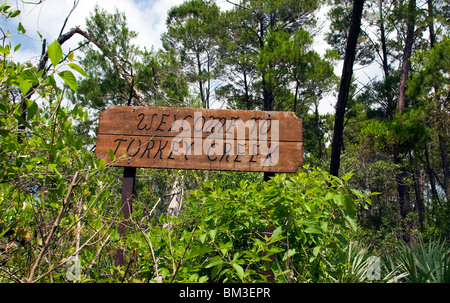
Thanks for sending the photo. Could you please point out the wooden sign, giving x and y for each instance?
(194, 138)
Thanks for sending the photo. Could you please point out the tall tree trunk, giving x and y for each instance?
(441, 126)
(318, 132)
(430, 175)
(406, 63)
(208, 86)
(200, 82)
(296, 97)
(248, 105)
(383, 40)
(267, 95)
(431, 23)
(404, 201)
(444, 160)
(389, 93)
(418, 190)
(344, 88)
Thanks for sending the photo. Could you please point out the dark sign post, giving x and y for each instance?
(195, 138)
(129, 176)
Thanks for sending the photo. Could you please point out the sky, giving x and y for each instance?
(146, 17)
(143, 16)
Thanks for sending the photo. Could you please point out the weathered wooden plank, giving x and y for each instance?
(159, 122)
(140, 151)
(205, 139)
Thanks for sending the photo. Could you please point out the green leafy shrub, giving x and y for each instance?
(222, 235)
(55, 205)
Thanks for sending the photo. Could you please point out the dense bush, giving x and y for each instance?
(224, 235)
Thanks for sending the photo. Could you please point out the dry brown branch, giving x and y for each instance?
(149, 243)
(74, 183)
(87, 243)
(77, 30)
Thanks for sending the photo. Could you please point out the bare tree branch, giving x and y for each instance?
(149, 243)
(61, 40)
(237, 4)
(74, 183)
(87, 243)
(75, 3)
(77, 30)
(17, 279)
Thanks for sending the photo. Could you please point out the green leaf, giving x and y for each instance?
(347, 176)
(217, 260)
(22, 120)
(57, 173)
(70, 56)
(239, 270)
(55, 52)
(32, 108)
(51, 81)
(291, 252)
(24, 86)
(198, 251)
(225, 247)
(21, 29)
(351, 220)
(69, 78)
(216, 270)
(276, 235)
(5, 50)
(76, 111)
(341, 238)
(102, 164)
(29, 74)
(208, 184)
(213, 234)
(85, 116)
(14, 14)
(63, 160)
(203, 279)
(38, 159)
(349, 205)
(316, 251)
(202, 238)
(112, 156)
(357, 193)
(67, 124)
(77, 68)
(312, 226)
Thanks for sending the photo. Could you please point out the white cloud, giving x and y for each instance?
(147, 18)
